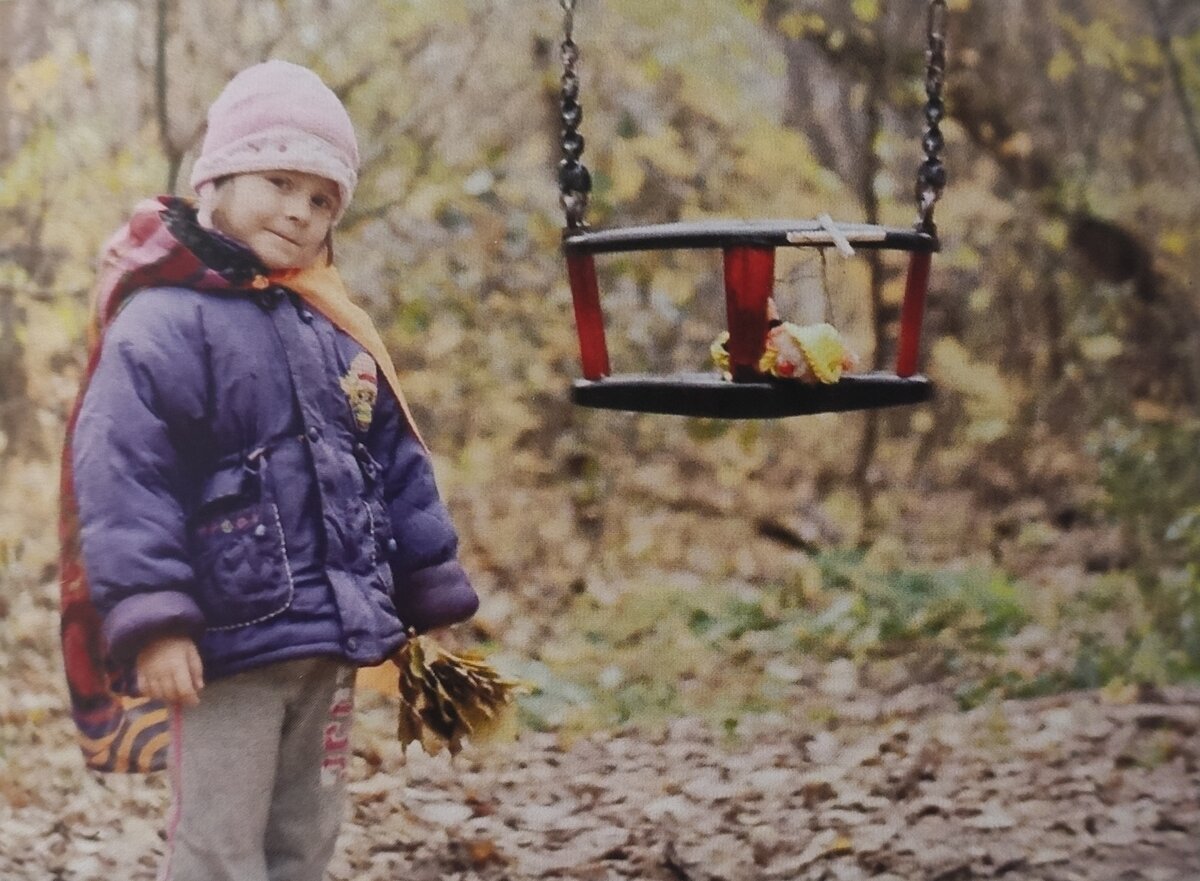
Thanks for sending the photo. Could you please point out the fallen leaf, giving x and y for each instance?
(827, 843)
(483, 851)
(444, 813)
(992, 818)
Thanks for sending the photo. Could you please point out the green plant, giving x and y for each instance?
(1151, 476)
(898, 608)
(658, 650)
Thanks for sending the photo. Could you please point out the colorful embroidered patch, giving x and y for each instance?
(361, 385)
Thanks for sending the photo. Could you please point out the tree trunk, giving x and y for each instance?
(21, 30)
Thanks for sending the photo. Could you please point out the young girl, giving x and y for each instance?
(249, 512)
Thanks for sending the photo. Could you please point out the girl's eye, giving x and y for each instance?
(322, 202)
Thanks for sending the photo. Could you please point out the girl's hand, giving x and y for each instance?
(169, 670)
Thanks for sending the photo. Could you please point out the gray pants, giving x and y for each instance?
(258, 773)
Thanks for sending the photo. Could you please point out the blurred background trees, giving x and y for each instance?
(1062, 325)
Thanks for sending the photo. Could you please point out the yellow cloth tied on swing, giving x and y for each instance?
(719, 350)
(811, 353)
(822, 348)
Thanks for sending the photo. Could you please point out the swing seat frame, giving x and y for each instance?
(749, 262)
(744, 233)
(709, 396)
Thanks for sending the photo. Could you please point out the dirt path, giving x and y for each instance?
(1069, 788)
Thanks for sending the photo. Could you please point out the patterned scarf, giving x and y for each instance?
(162, 244)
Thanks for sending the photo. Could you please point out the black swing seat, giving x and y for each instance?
(710, 396)
(755, 233)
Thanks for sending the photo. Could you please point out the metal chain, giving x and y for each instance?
(931, 176)
(574, 180)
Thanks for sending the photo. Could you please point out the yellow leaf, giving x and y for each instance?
(767, 152)
(445, 697)
(1100, 348)
(627, 172)
(840, 845)
(980, 299)
(1018, 145)
(990, 400)
(865, 10)
(1054, 233)
(1119, 692)
(666, 150)
(1061, 66)
(1175, 242)
(33, 82)
(797, 25)
(679, 286)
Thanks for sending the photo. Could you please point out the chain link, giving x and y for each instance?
(574, 180)
(568, 8)
(931, 176)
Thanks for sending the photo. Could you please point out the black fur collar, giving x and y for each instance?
(228, 257)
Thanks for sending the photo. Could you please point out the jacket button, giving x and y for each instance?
(352, 644)
(306, 316)
(314, 434)
(391, 545)
(260, 530)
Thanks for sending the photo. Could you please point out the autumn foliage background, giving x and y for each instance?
(1034, 529)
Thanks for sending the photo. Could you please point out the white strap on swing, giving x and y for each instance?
(839, 238)
(829, 233)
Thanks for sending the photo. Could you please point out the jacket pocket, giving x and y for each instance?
(241, 564)
(380, 522)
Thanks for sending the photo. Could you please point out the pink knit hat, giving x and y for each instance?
(278, 115)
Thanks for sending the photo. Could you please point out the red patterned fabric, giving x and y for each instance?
(117, 731)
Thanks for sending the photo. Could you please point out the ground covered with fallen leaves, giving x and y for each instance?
(1075, 787)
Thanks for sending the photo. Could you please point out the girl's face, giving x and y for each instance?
(283, 216)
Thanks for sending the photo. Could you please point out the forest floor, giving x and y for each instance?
(1083, 786)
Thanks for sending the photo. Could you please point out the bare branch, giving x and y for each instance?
(1162, 34)
(173, 153)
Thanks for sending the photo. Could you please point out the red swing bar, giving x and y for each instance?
(749, 280)
(915, 287)
(589, 319)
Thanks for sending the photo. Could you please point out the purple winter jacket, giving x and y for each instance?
(236, 482)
